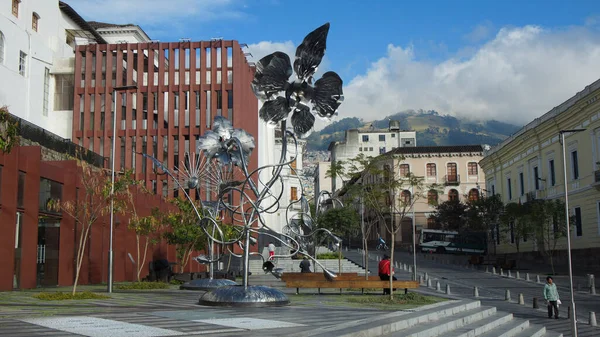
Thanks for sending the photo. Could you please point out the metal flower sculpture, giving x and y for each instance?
(222, 143)
(281, 97)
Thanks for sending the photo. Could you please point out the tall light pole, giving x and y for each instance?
(112, 183)
(573, 312)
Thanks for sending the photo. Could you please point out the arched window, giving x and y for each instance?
(432, 197)
(453, 195)
(405, 197)
(1, 48)
(473, 195)
(431, 170)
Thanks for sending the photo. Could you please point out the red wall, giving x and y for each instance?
(94, 269)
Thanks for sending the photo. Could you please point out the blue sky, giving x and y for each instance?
(510, 60)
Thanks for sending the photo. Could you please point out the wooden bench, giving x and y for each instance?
(348, 284)
(320, 277)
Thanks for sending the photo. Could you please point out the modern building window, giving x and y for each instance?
(431, 170)
(294, 194)
(509, 188)
(453, 195)
(365, 138)
(574, 165)
(360, 149)
(473, 195)
(404, 170)
(1, 48)
(521, 184)
(50, 194)
(552, 172)
(22, 63)
(63, 92)
(393, 135)
(15, 7)
(432, 197)
(381, 149)
(472, 168)
(21, 189)
(536, 178)
(370, 149)
(35, 21)
(46, 91)
(578, 227)
(382, 138)
(512, 232)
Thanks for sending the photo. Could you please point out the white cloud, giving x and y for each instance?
(517, 76)
(154, 12)
(479, 32)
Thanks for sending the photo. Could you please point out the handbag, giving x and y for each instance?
(558, 302)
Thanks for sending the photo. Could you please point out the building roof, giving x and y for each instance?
(73, 15)
(106, 25)
(437, 149)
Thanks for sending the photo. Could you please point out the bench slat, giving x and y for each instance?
(320, 277)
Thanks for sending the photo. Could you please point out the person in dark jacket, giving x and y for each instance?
(305, 265)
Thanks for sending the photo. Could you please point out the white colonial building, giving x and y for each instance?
(371, 142)
(37, 58)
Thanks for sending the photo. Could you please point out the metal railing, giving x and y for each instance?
(56, 143)
(452, 179)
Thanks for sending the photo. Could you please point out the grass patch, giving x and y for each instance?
(414, 299)
(143, 286)
(329, 256)
(176, 282)
(379, 301)
(62, 296)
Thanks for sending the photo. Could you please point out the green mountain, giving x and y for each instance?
(432, 129)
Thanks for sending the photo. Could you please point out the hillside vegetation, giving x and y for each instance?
(432, 129)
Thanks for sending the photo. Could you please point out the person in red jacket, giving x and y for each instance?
(385, 271)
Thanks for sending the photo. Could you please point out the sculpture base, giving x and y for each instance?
(206, 284)
(237, 296)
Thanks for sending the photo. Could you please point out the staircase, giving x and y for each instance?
(293, 266)
(447, 319)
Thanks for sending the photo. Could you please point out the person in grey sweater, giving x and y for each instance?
(551, 296)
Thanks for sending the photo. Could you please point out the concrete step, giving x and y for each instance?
(444, 325)
(400, 320)
(511, 329)
(532, 331)
(482, 326)
(552, 334)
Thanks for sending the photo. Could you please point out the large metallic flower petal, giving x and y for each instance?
(209, 142)
(272, 112)
(310, 53)
(328, 95)
(245, 139)
(222, 127)
(271, 76)
(302, 121)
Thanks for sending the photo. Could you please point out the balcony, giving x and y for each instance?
(452, 180)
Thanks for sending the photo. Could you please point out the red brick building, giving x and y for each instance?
(181, 87)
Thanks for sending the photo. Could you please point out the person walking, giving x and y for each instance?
(551, 296)
(271, 251)
(385, 271)
(305, 265)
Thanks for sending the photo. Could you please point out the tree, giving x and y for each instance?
(388, 191)
(92, 204)
(515, 222)
(450, 215)
(146, 228)
(343, 221)
(9, 132)
(184, 230)
(548, 221)
(483, 215)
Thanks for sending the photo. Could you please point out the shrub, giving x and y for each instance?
(143, 286)
(328, 256)
(176, 282)
(61, 296)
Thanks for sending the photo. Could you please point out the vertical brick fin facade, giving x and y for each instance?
(181, 87)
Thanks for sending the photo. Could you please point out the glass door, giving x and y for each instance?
(47, 252)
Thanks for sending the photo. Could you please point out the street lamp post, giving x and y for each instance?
(573, 312)
(112, 183)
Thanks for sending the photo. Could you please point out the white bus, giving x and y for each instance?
(435, 240)
(439, 241)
